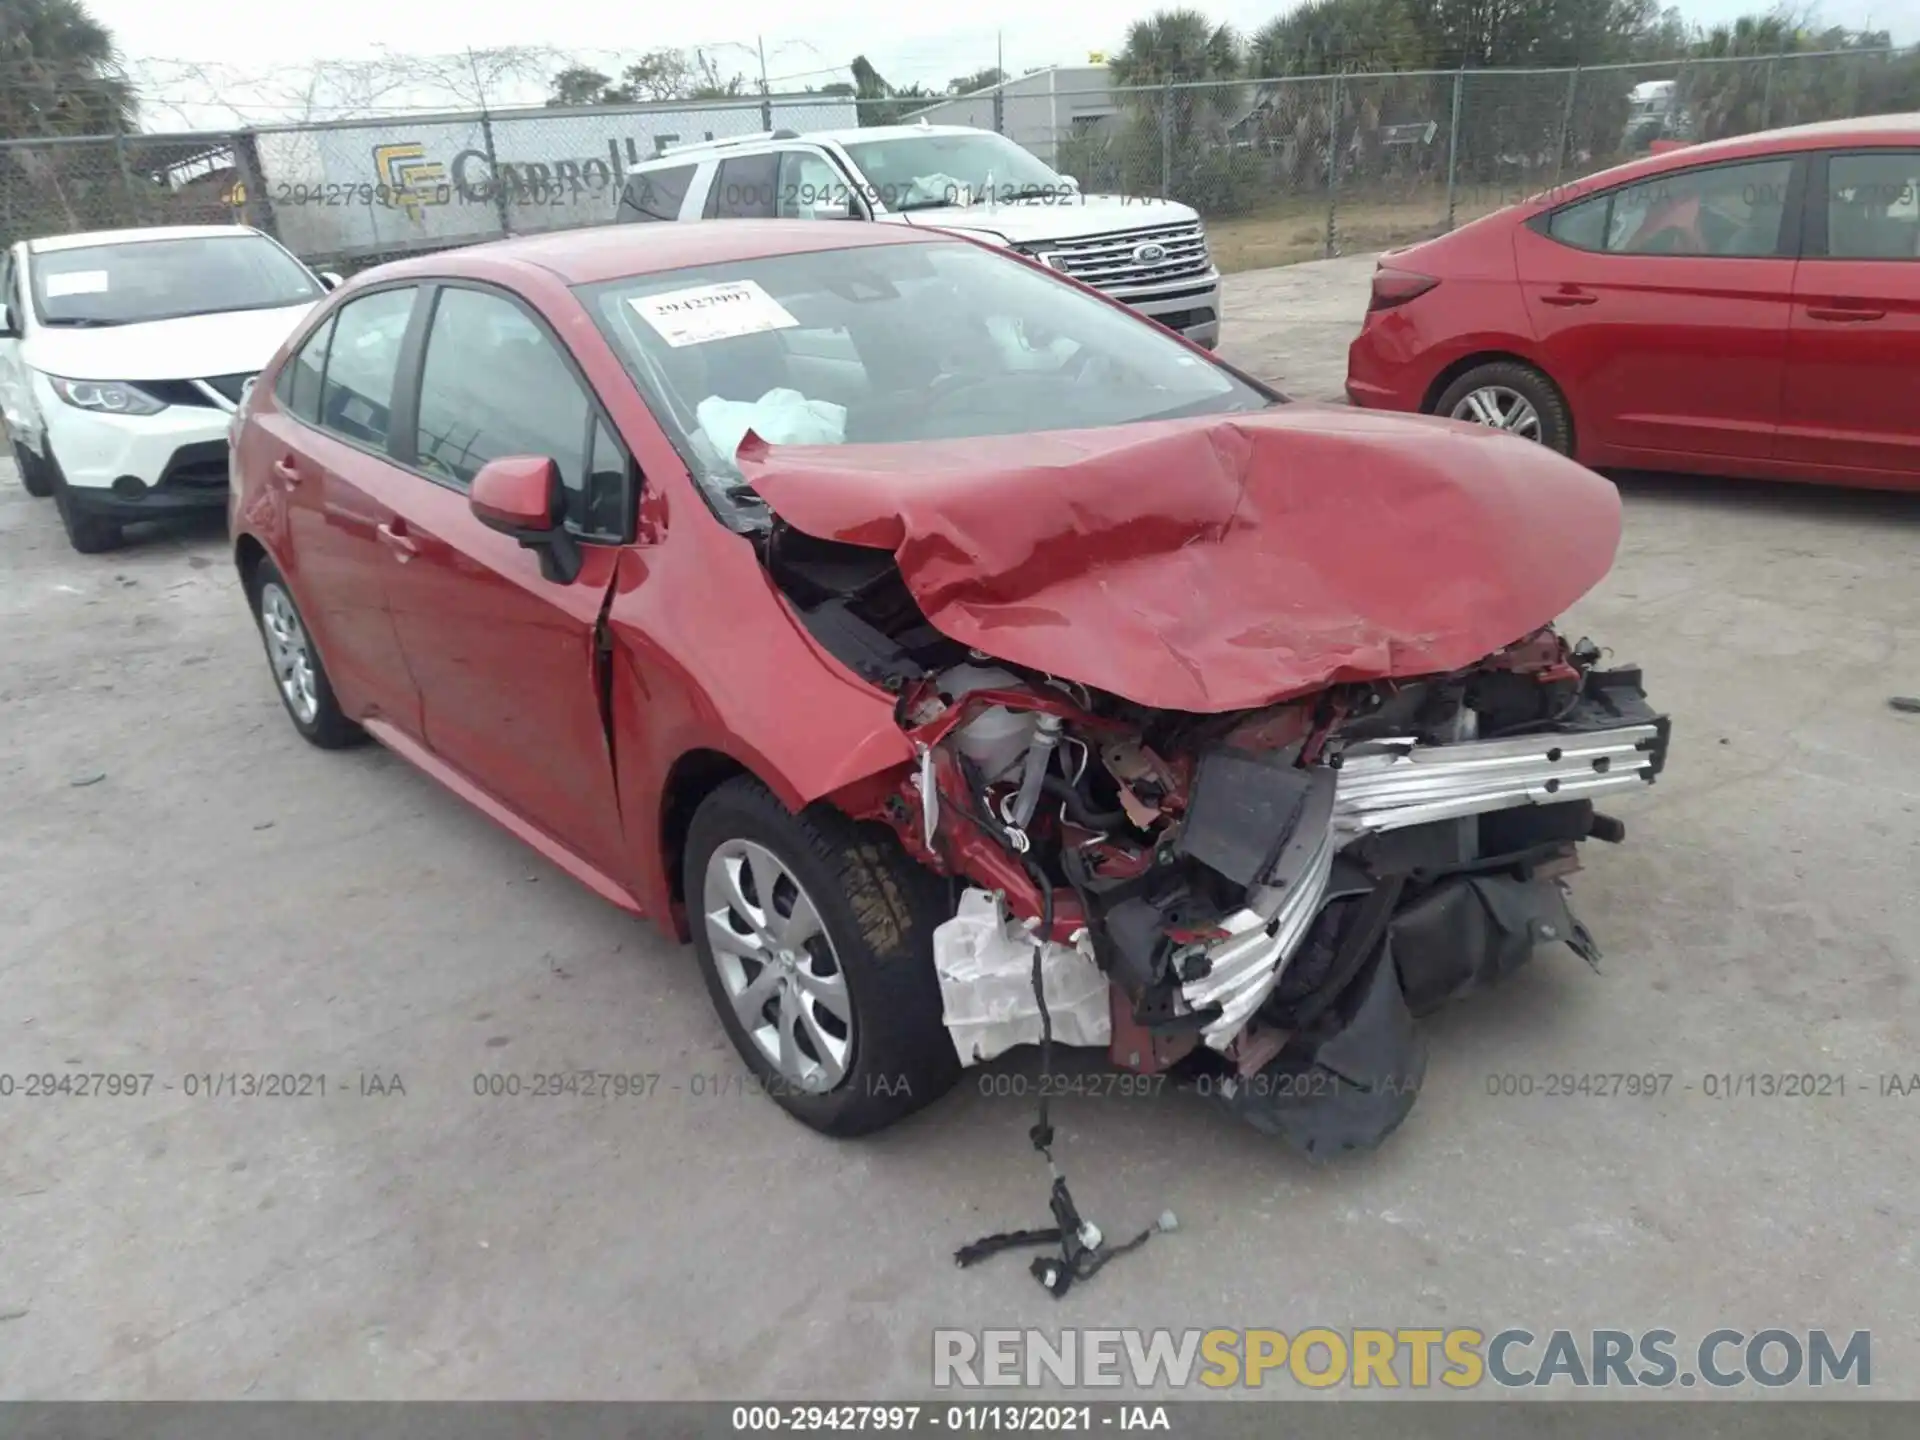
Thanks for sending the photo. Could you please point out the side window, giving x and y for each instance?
(811, 188)
(744, 188)
(298, 389)
(1583, 225)
(494, 384)
(360, 365)
(655, 194)
(1873, 206)
(1725, 210)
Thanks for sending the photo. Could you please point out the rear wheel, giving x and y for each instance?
(816, 938)
(1511, 396)
(33, 472)
(297, 672)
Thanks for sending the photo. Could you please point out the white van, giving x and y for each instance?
(1149, 254)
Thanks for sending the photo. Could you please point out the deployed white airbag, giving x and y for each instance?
(779, 417)
(985, 963)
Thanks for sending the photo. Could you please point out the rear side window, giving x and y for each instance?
(1721, 210)
(1583, 226)
(357, 394)
(744, 189)
(299, 386)
(655, 194)
(1873, 206)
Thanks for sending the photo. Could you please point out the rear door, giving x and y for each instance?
(1661, 309)
(506, 659)
(323, 447)
(656, 195)
(1853, 350)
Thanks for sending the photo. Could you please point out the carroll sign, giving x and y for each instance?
(541, 181)
(387, 188)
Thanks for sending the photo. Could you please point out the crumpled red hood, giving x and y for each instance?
(1218, 563)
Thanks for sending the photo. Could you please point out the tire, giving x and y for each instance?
(89, 534)
(33, 472)
(876, 914)
(1554, 427)
(298, 675)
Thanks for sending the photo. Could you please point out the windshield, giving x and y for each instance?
(123, 284)
(923, 172)
(888, 343)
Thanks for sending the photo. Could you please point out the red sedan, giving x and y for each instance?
(957, 659)
(1747, 307)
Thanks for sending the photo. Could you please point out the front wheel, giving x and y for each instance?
(816, 938)
(1514, 397)
(33, 472)
(87, 533)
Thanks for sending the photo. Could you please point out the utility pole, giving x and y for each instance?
(766, 101)
(1000, 85)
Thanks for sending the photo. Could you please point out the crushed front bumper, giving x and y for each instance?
(1394, 783)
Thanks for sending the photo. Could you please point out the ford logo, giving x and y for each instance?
(1150, 253)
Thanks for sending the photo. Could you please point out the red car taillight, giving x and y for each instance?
(1396, 287)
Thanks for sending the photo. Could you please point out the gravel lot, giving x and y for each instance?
(191, 889)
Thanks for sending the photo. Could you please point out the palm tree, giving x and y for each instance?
(59, 72)
(1176, 46)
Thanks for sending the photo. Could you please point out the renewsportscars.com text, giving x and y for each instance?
(1363, 1358)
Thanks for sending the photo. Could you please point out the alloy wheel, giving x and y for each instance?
(1502, 408)
(777, 965)
(290, 652)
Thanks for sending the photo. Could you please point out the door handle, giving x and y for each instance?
(1842, 314)
(1568, 297)
(396, 539)
(286, 470)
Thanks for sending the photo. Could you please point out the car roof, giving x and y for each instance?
(613, 252)
(47, 244)
(702, 149)
(1901, 129)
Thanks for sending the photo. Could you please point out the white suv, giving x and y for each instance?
(123, 354)
(1149, 254)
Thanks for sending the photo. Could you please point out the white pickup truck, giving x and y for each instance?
(1149, 254)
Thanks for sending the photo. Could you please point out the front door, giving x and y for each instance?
(1853, 351)
(507, 660)
(1661, 307)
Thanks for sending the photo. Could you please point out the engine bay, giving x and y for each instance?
(1271, 895)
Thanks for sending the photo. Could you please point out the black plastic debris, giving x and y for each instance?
(1083, 1249)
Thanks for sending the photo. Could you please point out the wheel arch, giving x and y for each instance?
(691, 778)
(248, 553)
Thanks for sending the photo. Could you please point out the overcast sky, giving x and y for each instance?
(804, 38)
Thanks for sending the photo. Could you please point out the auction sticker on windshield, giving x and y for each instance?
(712, 312)
(76, 282)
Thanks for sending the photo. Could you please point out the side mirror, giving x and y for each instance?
(831, 211)
(8, 330)
(522, 496)
(331, 279)
(1072, 182)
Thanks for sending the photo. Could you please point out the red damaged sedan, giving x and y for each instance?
(954, 657)
(1748, 307)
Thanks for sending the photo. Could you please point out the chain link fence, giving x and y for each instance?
(63, 184)
(1282, 170)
